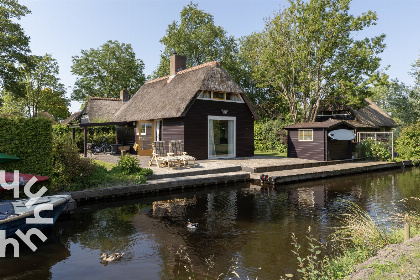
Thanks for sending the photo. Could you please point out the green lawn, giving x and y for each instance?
(275, 154)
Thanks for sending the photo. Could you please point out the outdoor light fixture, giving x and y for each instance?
(225, 111)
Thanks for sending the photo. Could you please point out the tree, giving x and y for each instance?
(14, 44)
(198, 38)
(307, 53)
(105, 71)
(42, 90)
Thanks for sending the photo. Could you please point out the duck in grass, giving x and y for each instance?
(192, 225)
(111, 257)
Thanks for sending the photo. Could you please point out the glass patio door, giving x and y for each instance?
(146, 138)
(222, 137)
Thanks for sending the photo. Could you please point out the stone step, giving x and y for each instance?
(162, 185)
(271, 168)
(302, 174)
(195, 171)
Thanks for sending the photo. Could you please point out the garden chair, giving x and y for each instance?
(175, 149)
(160, 157)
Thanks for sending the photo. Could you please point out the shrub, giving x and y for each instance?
(270, 135)
(30, 139)
(128, 165)
(408, 143)
(70, 171)
(371, 150)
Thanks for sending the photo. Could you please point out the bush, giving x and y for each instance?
(371, 150)
(270, 136)
(128, 165)
(70, 171)
(408, 143)
(30, 139)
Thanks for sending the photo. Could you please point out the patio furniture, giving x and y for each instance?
(124, 150)
(160, 156)
(175, 147)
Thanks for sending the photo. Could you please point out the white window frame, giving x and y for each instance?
(221, 118)
(221, 100)
(304, 134)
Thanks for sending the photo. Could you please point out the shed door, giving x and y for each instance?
(222, 137)
(146, 138)
(339, 149)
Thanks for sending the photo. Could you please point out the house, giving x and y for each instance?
(99, 111)
(201, 106)
(333, 135)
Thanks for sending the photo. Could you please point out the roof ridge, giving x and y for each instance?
(104, 98)
(211, 63)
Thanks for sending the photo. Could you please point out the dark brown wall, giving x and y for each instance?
(314, 150)
(173, 129)
(339, 149)
(125, 135)
(196, 127)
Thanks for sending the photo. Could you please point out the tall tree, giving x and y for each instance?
(103, 72)
(198, 38)
(14, 44)
(308, 53)
(42, 88)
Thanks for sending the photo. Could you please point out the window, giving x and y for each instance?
(144, 128)
(233, 97)
(305, 135)
(218, 95)
(221, 96)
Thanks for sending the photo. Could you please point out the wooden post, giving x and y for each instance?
(73, 136)
(406, 229)
(84, 141)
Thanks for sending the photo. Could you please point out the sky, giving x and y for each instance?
(63, 28)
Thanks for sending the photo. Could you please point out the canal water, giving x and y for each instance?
(242, 230)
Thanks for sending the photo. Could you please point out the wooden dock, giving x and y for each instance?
(224, 175)
(285, 174)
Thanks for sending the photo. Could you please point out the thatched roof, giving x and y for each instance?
(47, 115)
(73, 118)
(172, 96)
(99, 110)
(374, 116)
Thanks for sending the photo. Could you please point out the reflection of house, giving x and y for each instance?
(332, 135)
(201, 106)
(173, 207)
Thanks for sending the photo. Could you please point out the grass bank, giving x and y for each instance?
(363, 248)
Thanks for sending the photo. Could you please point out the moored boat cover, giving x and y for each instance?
(6, 209)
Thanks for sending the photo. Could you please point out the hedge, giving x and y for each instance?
(30, 139)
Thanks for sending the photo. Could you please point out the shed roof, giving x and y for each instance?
(171, 96)
(327, 124)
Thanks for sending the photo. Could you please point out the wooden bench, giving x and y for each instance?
(124, 149)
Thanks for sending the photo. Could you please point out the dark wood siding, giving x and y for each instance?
(173, 129)
(314, 150)
(196, 127)
(125, 135)
(339, 149)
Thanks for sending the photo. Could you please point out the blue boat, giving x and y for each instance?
(13, 213)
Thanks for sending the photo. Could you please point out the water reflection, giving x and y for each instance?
(244, 226)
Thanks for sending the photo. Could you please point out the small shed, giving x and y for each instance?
(322, 141)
